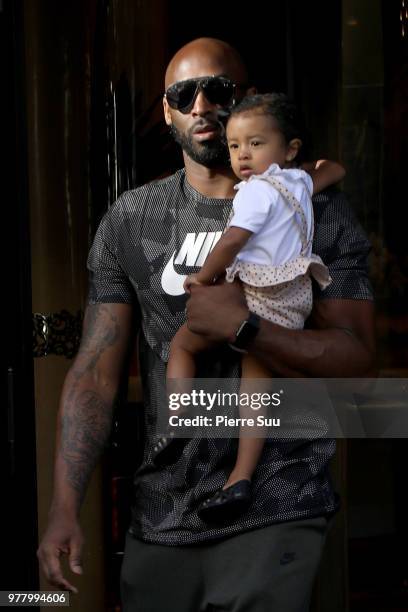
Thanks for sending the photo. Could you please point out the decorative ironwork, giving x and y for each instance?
(57, 333)
(404, 18)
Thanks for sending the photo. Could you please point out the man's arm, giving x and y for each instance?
(341, 346)
(84, 424)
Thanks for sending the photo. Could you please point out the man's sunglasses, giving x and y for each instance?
(217, 89)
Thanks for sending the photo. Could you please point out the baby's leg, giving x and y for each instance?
(183, 349)
(249, 448)
(235, 497)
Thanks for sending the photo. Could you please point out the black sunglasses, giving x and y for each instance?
(217, 89)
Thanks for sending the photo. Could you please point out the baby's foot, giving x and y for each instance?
(226, 503)
(237, 476)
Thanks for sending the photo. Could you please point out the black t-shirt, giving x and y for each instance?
(146, 243)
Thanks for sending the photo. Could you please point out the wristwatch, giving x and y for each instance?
(246, 333)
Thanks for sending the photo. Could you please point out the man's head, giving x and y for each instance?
(194, 106)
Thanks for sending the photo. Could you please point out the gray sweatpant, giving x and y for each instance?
(265, 570)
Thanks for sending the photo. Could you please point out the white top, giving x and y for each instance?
(261, 209)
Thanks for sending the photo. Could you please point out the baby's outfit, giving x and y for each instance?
(277, 263)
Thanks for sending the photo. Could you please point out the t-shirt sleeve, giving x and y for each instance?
(344, 247)
(108, 283)
(252, 205)
(307, 179)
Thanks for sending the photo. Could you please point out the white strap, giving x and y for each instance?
(294, 203)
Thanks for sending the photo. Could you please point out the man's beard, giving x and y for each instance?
(210, 153)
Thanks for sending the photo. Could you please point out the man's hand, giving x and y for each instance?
(63, 537)
(217, 311)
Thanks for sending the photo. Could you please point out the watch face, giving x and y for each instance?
(240, 328)
(247, 332)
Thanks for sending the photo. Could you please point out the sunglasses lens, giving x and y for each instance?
(219, 91)
(186, 95)
(181, 95)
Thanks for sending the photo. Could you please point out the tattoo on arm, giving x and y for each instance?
(87, 413)
(85, 429)
(101, 331)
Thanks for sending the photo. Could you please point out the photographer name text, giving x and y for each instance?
(223, 421)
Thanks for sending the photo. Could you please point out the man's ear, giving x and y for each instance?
(293, 149)
(166, 110)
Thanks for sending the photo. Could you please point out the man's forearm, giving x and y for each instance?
(84, 427)
(85, 416)
(341, 343)
(317, 353)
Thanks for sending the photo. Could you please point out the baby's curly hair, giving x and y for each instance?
(283, 110)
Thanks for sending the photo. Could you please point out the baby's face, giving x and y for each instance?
(255, 142)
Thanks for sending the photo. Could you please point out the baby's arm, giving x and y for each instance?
(324, 173)
(221, 256)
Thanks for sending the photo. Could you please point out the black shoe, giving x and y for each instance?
(226, 504)
(167, 449)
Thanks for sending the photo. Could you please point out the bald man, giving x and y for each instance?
(264, 560)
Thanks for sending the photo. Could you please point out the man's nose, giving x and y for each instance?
(202, 106)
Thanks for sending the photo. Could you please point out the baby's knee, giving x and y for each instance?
(188, 342)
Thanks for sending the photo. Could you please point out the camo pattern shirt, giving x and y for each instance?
(145, 245)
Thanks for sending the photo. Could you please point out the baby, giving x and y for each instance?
(268, 246)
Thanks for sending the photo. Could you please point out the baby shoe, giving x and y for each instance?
(226, 504)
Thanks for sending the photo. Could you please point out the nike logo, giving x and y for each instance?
(172, 282)
(287, 557)
(193, 253)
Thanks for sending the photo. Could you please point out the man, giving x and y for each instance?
(146, 243)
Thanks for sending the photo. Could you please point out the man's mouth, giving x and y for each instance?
(206, 131)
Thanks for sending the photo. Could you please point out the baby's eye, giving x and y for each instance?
(255, 143)
(233, 146)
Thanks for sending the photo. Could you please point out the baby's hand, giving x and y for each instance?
(191, 280)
